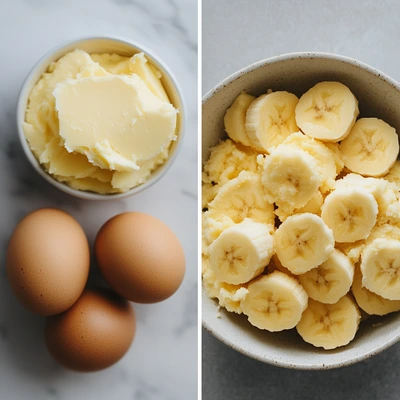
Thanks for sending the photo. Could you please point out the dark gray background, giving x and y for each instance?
(235, 34)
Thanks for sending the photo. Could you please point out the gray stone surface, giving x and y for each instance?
(235, 34)
(228, 375)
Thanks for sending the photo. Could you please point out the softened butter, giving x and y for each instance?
(100, 122)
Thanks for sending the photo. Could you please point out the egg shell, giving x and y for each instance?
(140, 257)
(48, 261)
(94, 333)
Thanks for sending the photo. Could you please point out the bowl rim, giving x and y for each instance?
(21, 109)
(297, 55)
(206, 325)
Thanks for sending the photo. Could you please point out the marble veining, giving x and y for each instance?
(162, 363)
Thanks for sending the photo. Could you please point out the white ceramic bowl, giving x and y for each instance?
(379, 96)
(101, 45)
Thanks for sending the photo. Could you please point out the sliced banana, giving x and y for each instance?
(324, 157)
(243, 197)
(241, 252)
(235, 118)
(329, 325)
(354, 250)
(270, 120)
(380, 268)
(329, 281)
(370, 302)
(275, 302)
(350, 213)
(290, 177)
(386, 195)
(371, 148)
(303, 242)
(327, 111)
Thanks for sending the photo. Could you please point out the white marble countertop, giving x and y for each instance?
(162, 363)
(235, 34)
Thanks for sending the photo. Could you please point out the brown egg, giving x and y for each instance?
(140, 257)
(48, 261)
(94, 333)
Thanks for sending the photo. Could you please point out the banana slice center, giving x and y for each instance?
(235, 259)
(370, 142)
(389, 268)
(351, 216)
(321, 279)
(268, 304)
(294, 181)
(328, 320)
(325, 104)
(303, 241)
(278, 120)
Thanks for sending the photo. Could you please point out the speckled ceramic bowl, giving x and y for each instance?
(378, 96)
(101, 45)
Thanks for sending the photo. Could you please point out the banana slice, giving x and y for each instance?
(270, 120)
(370, 302)
(330, 325)
(243, 197)
(386, 195)
(354, 250)
(290, 177)
(350, 213)
(324, 157)
(329, 281)
(241, 252)
(275, 302)
(380, 268)
(327, 111)
(235, 118)
(227, 160)
(371, 148)
(303, 242)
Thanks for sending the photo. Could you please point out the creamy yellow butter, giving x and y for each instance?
(100, 122)
(115, 120)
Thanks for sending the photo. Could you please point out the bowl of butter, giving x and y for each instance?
(100, 118)
(301, 211)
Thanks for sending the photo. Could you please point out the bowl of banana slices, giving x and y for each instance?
(301, 211)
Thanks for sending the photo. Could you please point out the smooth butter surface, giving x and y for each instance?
(114, 120)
